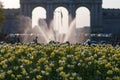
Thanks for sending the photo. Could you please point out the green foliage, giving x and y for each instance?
(59, 62)
(2, 17)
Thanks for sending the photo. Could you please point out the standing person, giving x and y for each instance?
(18, 39)
(35, 40)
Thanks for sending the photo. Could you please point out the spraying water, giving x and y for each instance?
(46, 34)
(51, 34)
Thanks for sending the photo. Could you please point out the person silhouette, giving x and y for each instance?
(35, 40)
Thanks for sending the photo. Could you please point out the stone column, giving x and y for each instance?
(25, 10)
(96, 14)
(96, 18)
(49, 13)
(29, 11)
(92, 16)
(100, 15)
(21, 9)
(72, 13)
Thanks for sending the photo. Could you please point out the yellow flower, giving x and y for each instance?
(48, 69)
(52, 55)
(10, 59)
(74, 74)
(9, 72)
(43, 72)
(24, 72)
(51, 64)
(71, 78)
(61, 62)
(38, 68)
(98, 72)
(116, 69)
(63, 74)
(4, 66)
(76, 57)
(2, 62)
(107, 78)
(2, 75)
(15, 68)
(109, 72)
(12, 75)
(108, 65)
(25, 61)
(31, 57)
(61, 53)
(60, 68)
(39, 77)
(79, 78)
(19, 76)
(116, 77)
(41, 60)
(33, 79)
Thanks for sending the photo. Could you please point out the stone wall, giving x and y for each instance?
(14, 22)
(111, 21)
(11, 22)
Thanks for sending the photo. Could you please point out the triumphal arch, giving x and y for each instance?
(94, 6)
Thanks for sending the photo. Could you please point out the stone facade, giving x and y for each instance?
(94, 6)
(101, 20)
(111, 21)
(11, 22)
(15, 22)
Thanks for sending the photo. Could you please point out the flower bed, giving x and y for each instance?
(59, 62)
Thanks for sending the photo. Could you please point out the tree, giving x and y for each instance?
(2, 17)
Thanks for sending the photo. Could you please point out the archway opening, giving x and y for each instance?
(39, 25)
(61, 20)
(38, 16)
(82, 17)
(60, 23)
(82, 24)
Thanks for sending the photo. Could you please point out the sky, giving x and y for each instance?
(106, 3)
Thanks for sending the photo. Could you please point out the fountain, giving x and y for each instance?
(44, 33)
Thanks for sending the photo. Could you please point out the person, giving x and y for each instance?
(35, 40)
(18, 39)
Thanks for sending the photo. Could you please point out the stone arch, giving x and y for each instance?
(38, 13)
(88, 6)
(36, 6)
(80, 13)
(61, 5)
(95, 7)
(61, 19)
(83, 27)
(66, 6)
